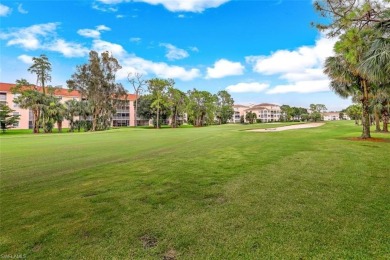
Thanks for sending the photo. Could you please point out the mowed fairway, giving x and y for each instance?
(196, 193)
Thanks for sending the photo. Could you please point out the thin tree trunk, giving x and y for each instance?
(366, 111)
(385, 119)
(158, 117)
(174, 120)
(36, 121)
(59, 126)
(94, 121)
(377, 120)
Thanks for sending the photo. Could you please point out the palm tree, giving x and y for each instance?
(346, 81)
(376, 63)
(29, 98)
(56, 113)
(382, 100)
(72, 109)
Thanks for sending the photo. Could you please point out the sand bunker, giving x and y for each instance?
(289, 127)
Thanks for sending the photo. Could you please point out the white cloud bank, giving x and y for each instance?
(133, 63)
(223, 68)
(301, 68)
(253, 87)
(195, 6)
(44, 37)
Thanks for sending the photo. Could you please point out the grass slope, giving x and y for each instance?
(196, 193)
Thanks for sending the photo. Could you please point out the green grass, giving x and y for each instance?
(196, 193)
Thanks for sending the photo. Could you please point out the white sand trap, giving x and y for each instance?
(289, 127)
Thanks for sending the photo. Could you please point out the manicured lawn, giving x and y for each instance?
(196, 193)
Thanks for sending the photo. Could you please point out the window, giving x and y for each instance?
(3, 98)
(16, 96)
(16, 124)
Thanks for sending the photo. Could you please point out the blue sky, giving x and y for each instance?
(260, 51)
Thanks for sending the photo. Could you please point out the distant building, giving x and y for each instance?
(124, 115)
(265, 112)
(332, 116)
(239, 110)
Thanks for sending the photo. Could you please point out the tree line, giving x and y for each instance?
(164, 102)
(101, 96)
(302, 114)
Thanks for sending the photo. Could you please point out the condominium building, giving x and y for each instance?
(239, 110)
(332, 116)
(124, 116)
(265, 112)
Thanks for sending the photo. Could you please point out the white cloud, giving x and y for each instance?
(106, 9)
(43, 37)
(89, 33)
(135, 39)
(181, 16)
(115, 49)
(223, 68)
(247, 87)
(68, 49)
(304, 75)
(30, 37)
(93, 33)
(109, 2)
(309, 86)
(160, 69)
(21, 9)
(4, 10)
(119, 16)
(174, 53)
(132, 63)
(285, 61)
(196, 6)
(102, 27)
(26, 59)
(194, 49)
(301, 68)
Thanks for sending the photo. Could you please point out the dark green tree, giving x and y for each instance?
(201, 107)
(225, 109)
(176, 103)
(251, 117)
(7, 117)
(30, 98)
(96, 83)
(158, 88)
(316, 111)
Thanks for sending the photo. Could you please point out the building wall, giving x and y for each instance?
(265, 112)
(24, 113)
(238, 112)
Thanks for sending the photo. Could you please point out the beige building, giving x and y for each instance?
(332, 116)
(265, 112)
